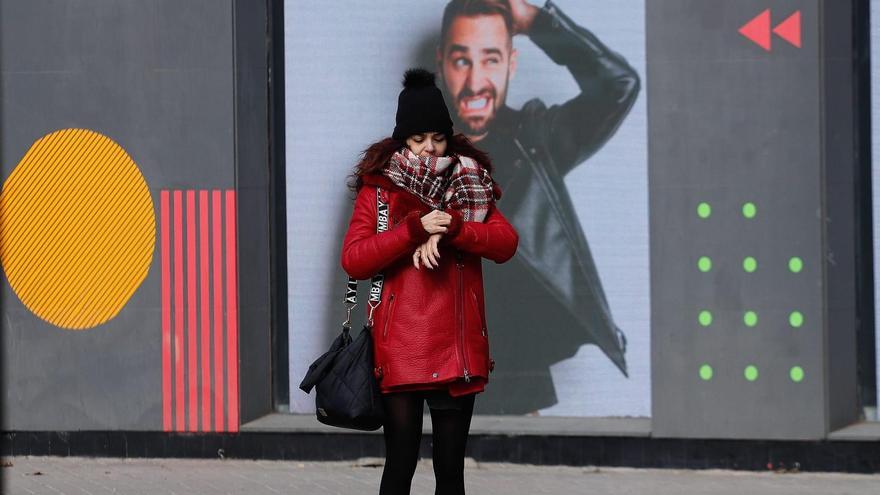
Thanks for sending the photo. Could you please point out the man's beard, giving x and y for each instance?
(475, 127)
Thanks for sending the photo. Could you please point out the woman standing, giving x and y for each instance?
(430, 337)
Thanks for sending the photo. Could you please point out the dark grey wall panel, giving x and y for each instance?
(252, 161)
(156, 77)
(731, 123)
(841, 234)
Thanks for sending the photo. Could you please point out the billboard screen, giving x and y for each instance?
(560, 107)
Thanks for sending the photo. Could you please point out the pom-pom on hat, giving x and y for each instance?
(420, 106)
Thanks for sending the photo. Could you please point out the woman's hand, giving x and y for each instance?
(428, 253)
(436, 222)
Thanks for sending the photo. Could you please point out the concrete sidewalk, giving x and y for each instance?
(78, 475)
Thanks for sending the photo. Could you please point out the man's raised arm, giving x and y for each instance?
(609, 86)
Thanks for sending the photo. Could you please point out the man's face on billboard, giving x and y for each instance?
(476, 62)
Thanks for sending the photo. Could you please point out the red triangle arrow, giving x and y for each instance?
(758, 29)
(790, 29)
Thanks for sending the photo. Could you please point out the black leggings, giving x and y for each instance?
(403, 435)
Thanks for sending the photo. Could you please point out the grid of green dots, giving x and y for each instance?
(705, 317)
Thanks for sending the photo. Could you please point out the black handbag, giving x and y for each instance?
(346, 391)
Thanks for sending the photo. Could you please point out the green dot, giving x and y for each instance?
(704, 263)
(749, 210)
(706, 372)
(750, 264)
(796, 374)
(751, 373)
(704, 210)
(795, 265)
(705, 318)
(796, 319)
(750, 318)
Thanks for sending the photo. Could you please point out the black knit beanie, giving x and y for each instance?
(420, 106)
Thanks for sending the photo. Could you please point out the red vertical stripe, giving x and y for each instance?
(191, 308)
(165, 241)
(217, 258)
(204, 312)
(178, 311)
(231, 312)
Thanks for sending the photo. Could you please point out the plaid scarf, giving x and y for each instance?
(443, 182)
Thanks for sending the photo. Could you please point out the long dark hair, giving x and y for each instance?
(376, 156)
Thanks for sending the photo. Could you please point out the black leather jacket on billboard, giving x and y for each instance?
(548, 301)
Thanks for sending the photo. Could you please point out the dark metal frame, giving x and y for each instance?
(866, 334)
(278, 209)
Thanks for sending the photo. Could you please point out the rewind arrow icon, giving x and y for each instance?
(758, 30)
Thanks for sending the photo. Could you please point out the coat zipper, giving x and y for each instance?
(388, 320)
(460, 265)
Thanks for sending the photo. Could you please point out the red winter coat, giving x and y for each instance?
(429, 331)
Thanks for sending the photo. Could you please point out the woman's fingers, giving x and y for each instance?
(435, 221)
(430, 255)
(425, 260)
(433, 245)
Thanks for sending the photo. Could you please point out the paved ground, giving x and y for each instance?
(78, 475)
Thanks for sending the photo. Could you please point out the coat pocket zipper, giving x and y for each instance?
(480, 313)
(388, 319)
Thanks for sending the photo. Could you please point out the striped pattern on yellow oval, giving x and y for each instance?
(77, 228)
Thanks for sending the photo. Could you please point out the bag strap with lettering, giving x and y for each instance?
(350, 299)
